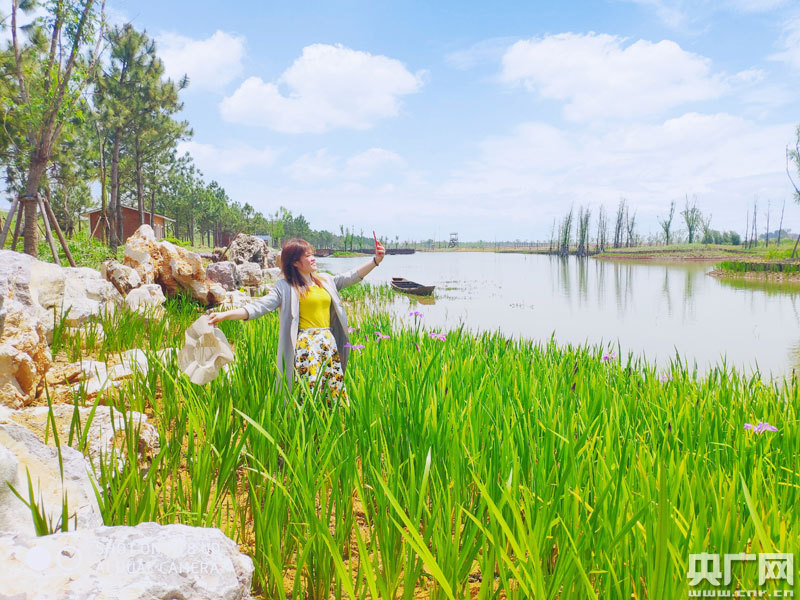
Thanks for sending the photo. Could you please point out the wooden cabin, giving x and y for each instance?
(130, 223)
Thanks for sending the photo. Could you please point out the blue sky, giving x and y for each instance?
(491, 119)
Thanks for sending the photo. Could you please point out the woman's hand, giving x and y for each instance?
(216, 317)
(380, 252)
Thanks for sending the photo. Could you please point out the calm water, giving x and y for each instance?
(651, 309)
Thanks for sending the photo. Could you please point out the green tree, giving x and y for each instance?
(132, 103)
(51, 71)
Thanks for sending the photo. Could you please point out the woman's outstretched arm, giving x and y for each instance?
(259, 307)
(347, 279)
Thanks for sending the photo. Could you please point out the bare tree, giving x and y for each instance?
(565, 234)
(780, 226)
(666, 224)
(583, 232)
(630, 223)
(754, 232)
(705, 225)
(692, 217)
(602, 229)
(795, 156)
(620, 224)
(766, 237)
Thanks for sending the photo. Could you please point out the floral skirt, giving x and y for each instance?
(316, 356)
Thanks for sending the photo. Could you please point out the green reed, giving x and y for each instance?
(476, 466)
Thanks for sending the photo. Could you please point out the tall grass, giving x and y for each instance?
(739, 266)
(475, 467)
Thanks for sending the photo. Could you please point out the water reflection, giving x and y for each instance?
(649, 308)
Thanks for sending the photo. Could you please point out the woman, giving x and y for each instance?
(313, 324)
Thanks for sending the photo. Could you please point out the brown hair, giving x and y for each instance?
(292, 251)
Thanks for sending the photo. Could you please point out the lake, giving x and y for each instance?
(650, 309)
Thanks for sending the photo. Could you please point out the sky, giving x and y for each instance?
(417, 119)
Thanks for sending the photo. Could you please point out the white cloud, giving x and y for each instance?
(485, 51)
(318, 165)
(598, 76)
(371, 161)
(670, 13)
(327, 87)
(676, 14)
(211, 63)
(234, 158)
(789, 44)
(313, 166)
(722, 158)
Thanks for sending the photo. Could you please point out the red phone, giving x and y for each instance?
(376, 238)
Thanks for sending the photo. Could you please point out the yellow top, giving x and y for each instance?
(315, 308)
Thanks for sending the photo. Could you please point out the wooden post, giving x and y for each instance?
(7, 224)
(60, 234)
(48, 233)
(17, 227)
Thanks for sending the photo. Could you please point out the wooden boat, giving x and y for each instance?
(411, 287)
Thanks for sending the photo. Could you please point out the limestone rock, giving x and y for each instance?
(24, 352)
(250, 274)
(86, 295)
(106, 431)
(94, 377)
(235, 299)
(142, 253)
(271, 275)
(131, 563)
(225, 274)
(174, 268)
(147, 299)
(183, 270)
(249, 248)
(79, 293)
(41, 462)
(122, 277)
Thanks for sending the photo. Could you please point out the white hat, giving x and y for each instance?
(206, 351)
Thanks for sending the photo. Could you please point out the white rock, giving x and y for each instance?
(123, 277)
(271, 274)
(235, 299)
(147, 299)
(142, 254)
(135, 360)
(106, 425)
(249, 273)
(79, 293)
(42, 462)
(24, 328)
(146, 562)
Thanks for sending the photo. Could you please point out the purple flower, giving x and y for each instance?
(415, 314)
(351, 329)
(381, 336)
(358, 347)
(666, 378)
(417, 347)
(442, 337)
(761, 427)
(609, 356)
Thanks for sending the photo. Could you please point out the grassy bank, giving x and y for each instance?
(719, 252)
(464, 467)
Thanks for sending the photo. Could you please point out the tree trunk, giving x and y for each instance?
(115, 211)
(140, 185)
(153, 210)
(31, 231)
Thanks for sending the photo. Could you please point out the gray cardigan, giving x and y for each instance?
(285, 297)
